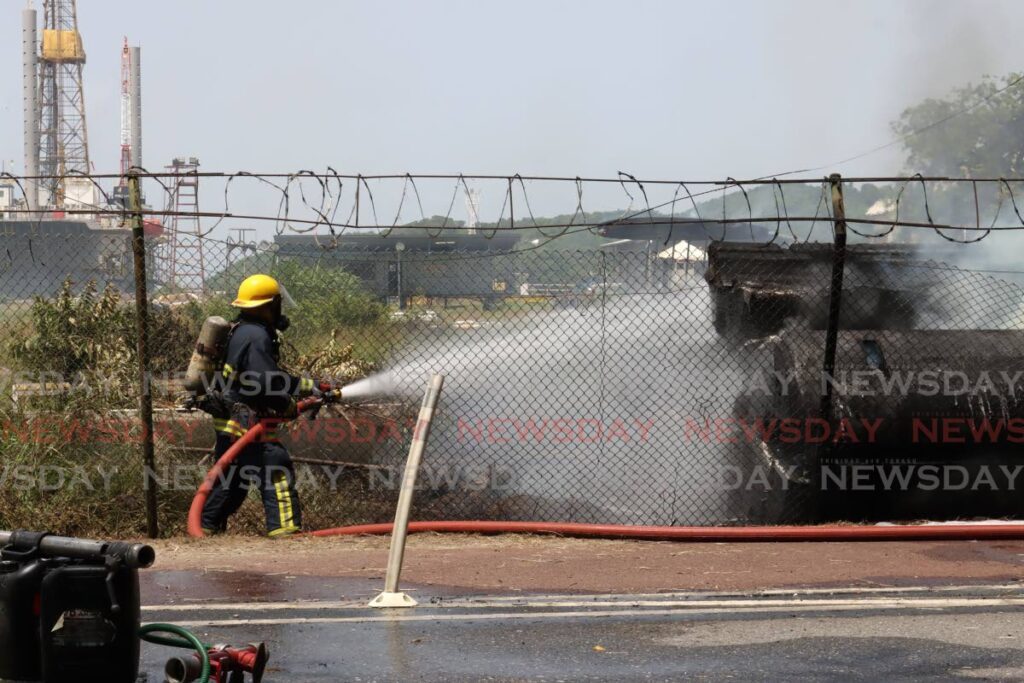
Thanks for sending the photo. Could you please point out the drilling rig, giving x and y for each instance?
(63, 145)
(58, 198)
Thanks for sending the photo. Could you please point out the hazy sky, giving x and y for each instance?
(656, 88)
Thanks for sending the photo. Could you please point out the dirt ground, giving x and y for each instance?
(512, 563)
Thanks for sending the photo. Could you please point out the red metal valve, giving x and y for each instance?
(251, 659)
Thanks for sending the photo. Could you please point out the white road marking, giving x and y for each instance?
(727, 607)
(259, 606)
(856, 590)
(692, 599)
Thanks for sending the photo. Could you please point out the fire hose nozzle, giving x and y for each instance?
(224, 663)
(330, 392)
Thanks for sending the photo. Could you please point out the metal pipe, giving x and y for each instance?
(412, 468)
(30, 100)
(392, 597)
(136, 555)
(135, 104)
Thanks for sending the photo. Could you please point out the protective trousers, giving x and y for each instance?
(265, 466)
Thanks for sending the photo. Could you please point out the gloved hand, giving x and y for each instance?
(291, 411)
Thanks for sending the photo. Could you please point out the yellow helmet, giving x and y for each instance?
(256, 290)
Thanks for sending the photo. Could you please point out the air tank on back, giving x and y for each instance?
(208, 355)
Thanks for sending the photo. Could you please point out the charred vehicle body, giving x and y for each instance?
(923, 413)
(756, 288)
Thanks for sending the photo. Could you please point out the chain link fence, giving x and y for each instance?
(635, 386)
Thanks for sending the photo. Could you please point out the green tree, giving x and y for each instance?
(978, 130)
(326, 295)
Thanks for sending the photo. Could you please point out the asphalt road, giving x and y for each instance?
(960, 633)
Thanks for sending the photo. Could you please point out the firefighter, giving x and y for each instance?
(253, 387)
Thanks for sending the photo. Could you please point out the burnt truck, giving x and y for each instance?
(755, 288)
(925, 415)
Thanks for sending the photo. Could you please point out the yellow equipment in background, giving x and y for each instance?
(62, 46)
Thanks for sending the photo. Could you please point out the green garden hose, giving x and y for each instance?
(185, 640)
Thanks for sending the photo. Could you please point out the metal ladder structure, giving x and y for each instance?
(187, 261)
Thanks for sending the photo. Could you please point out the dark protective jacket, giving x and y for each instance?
(252, 375)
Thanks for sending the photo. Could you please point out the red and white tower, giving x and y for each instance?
(126, 111)
(129, 119)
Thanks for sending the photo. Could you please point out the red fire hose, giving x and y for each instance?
(706, 534)
(195, 511)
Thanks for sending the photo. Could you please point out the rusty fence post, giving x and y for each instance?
(835, 294)
(835, 300)
(142, 348)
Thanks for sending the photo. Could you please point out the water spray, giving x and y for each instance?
(380, 384)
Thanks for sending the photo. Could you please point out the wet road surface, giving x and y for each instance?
(911, 633)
